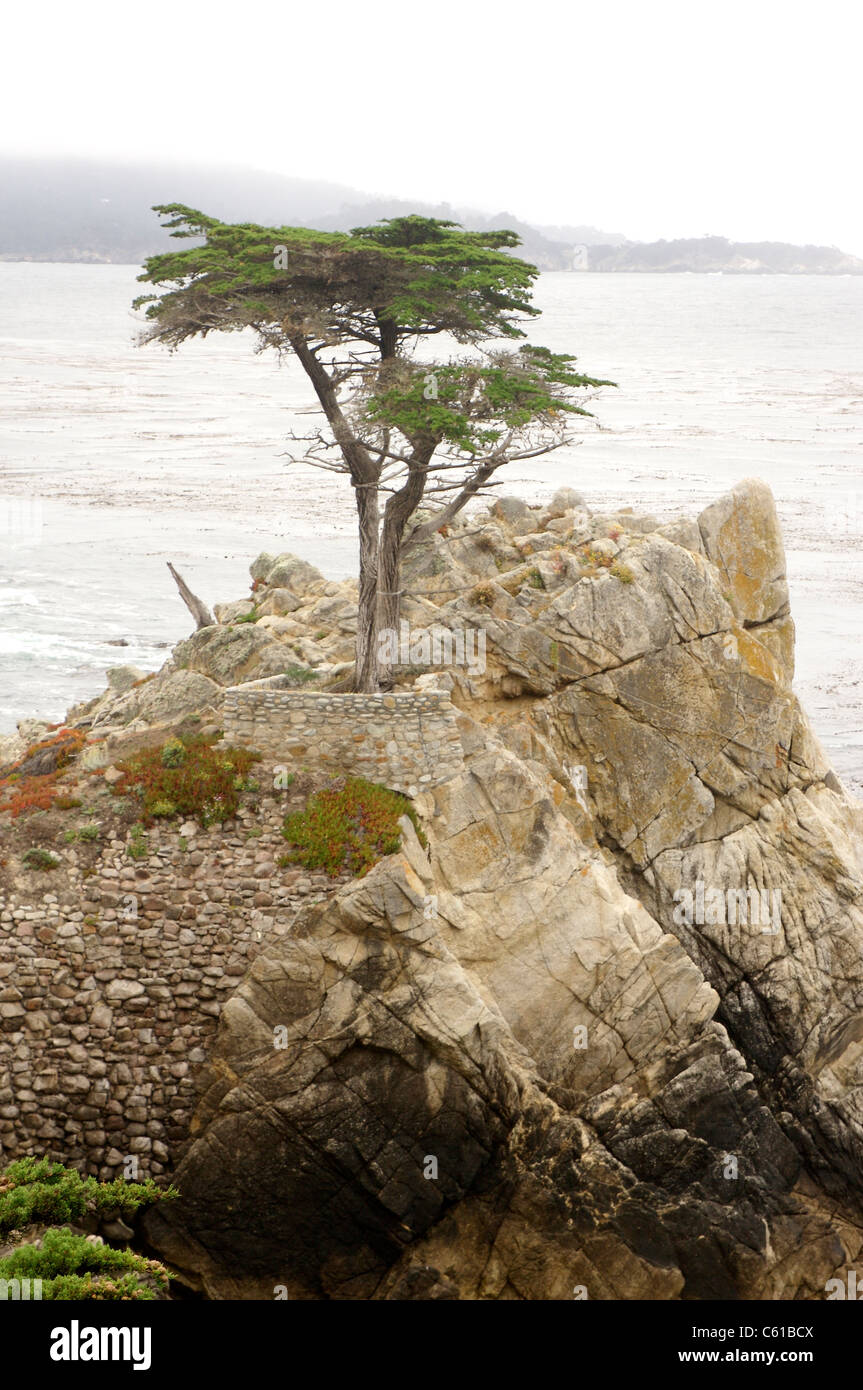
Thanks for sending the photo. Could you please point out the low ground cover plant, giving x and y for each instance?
(68, 1264)
(198, 777)
(348, 827)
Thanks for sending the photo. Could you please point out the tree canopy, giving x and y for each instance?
(408, 276)
(353, 307)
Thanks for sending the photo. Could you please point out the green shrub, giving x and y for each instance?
(483, 595)
(622, 572)
(348, 826)
(173, 753)
(41, 859)
(138, 846)
(37, 1191)
(301, 675)
(83, 832)
(206, 782)
(72, 1267)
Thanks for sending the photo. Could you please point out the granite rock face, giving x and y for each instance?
(606, 1036)
(489, 1073)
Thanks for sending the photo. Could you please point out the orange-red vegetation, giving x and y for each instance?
(22, 790)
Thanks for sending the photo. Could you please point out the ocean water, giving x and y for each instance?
(115, 459)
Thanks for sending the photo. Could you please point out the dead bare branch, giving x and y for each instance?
(199, 611)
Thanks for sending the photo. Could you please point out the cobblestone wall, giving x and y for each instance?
(113, 971)
(405, 741)
(113, 974)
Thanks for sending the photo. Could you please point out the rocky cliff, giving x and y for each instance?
(604, 1036)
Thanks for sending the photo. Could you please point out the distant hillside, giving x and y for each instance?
(582, 236)
(716, 253)
(86, 211)
(540, 250)
(80, 210)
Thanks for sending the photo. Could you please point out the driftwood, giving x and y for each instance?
(199, 611)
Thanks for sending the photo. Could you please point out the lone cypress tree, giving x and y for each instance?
(353, 307)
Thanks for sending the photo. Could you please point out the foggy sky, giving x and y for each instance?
(663, 119)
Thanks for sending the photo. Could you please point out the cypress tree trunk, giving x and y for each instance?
(389, 598)
(365, 479)
(367, 674)
(397, 513)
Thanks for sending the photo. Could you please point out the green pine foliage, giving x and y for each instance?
(471, 405)
(35, 1191)
(72, 1267)
(408, 275)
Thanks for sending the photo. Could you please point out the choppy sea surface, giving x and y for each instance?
(115, 459)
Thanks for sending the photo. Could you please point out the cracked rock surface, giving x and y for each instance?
(606, 1034)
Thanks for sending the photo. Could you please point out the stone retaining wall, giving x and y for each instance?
(405, 741)
(112, 978)
(114, 971)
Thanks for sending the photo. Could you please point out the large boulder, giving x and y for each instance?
(286, 572)
(229, 612)
(161, 699)
(566, 499)
(231, 655)
(12, 747)
(278, 603)
(742, 537)
(489, 1072)
(515, 515)
(175, 693)
(122, 678)
(261, 566)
